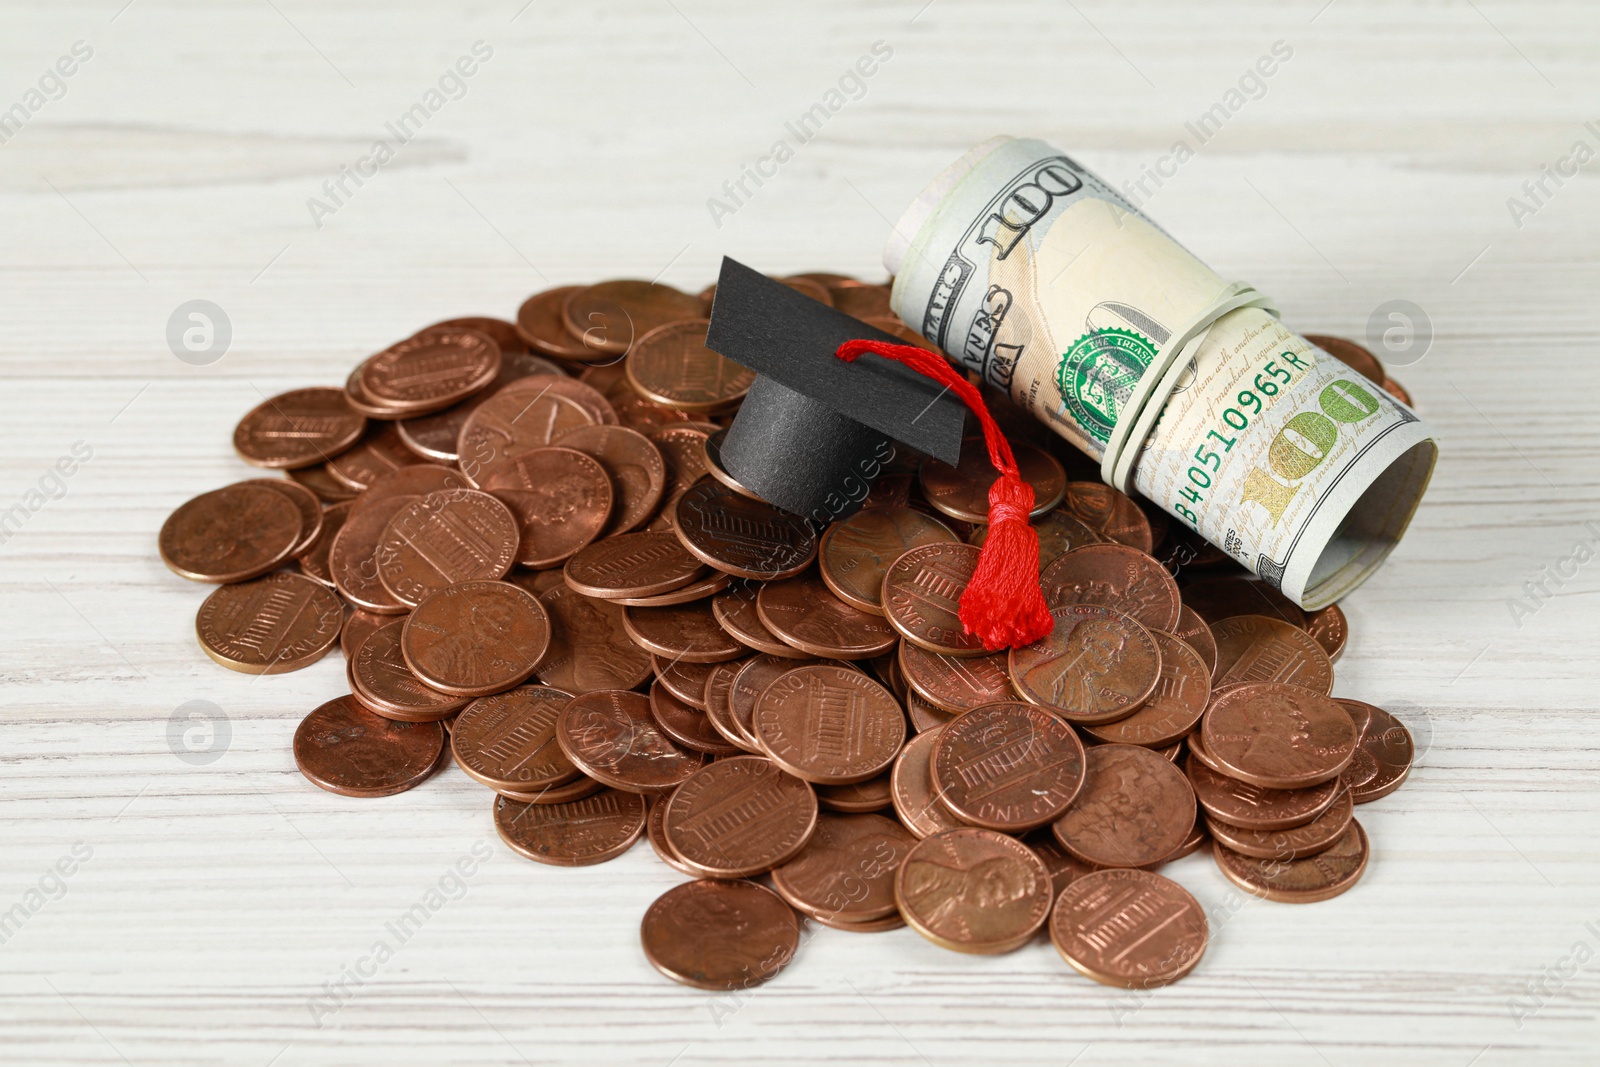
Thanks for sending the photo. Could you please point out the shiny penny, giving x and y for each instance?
(346, 749)
(1096, 665)
(719, 705)
(962, 491)
(508, 741)
(1110, 514)
(720, 935)
(741, 536)
(540, 324)
(1253, 807)
(610, 736)
(635, 466)
(1115, 576)
(231, 534)
(270, 625)
(829, 724)
(739, 817)
(912, 791)
(577, 833)
(476, 638)
(656, 835)
(514, 421)
(298, 428)
(1279, 736)
(451, 536)
(353, 556)
(748, 684)
(1302, 881)
(855, 554)
(1135, 810)
(1255, 648)
(1173, 709)
(1383, 754)
(1127, 928)
(636, 564)
(430, 370)
(561, 499)
(973, 890)
(381, 680)
(803, 612)
(671, 365)
(1009, 767)
(846, 871)
(1330, 629)
(922, 597)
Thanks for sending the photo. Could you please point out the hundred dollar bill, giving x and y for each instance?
(1026, 268)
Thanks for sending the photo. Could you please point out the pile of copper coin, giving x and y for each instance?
(521, 538)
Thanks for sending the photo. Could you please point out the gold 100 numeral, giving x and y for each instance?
(1304, 442)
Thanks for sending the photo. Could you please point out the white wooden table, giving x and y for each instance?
(222, 903)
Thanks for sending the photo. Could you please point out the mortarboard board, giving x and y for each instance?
(811, 434)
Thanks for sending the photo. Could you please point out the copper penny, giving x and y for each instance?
(417, 480)
(635, 466)
(1253, 807)
(925, 716)
(735, 612)
(973, 890)
(873, 926)
(1097, 665)
(684, 680)
(1330, 629)
(430, 370)
(1135, 809)
(514, 421)
(383, 683)
(856, 798)
(855, 554)
(719, 472)
(378, 453)
(955, 684)
(1110, 514)
(298, 428)
(357, 625)
(1008, 767)
(635, 564)
(560, 499)
(346, 749)
(231, 534)
(317, 479)
(313, 562)
(1173, 709)
(829, 724)
(1131, 929)
(610, 736)
(682, 447)
(1064, 867)
(743, 537)
(1301, 881)
(962, 492)
(720, 935)
(1279, 736)
(508, 741)
(710, 584)
(500, 331)
(719, 706)
(862, 301)
(686, 724)
(476, 638)
(363, 403)
(1115, 576)
(540, 324)
(671, 365)
(656, 835)
(803, 612)
(1199, 838)
(738, 817)
(1058, 534)
(454, 535)
(271, 625)
(1383, 754)
(585, 395)
(310, 508)
(580, 787)
(1318, 835)
(846, 870)
(589, 647)
(1195, 632)
(912, 791)
(575, 834)
(922, 597)
(1357, 357)
(437, 437)
(353, 556)
(752, 680)
(1222, 598)
(682, 631)
(611, 316)
(1255, 648)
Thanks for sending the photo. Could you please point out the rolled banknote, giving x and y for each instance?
(1026, 268)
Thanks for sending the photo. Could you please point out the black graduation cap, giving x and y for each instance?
(812, 426)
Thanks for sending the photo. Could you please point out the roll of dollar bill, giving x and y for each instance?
(1025, 268)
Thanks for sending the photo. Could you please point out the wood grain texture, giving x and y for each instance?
(222, 901)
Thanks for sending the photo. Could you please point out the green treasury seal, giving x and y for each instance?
(1097, 374)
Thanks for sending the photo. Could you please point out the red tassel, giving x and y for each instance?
(1003, 605)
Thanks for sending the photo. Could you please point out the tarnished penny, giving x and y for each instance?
(514, 421)
(1096, 665)
(829, 724)
(610, 736)
(681, 631)
(1223, 598)
(1196, 633)
(1297, 842)
(611, 316)
(855, 554)
(635, 466)
(476, 638)
(271, 625)
(381, 680)
(1279, 736)
(686, 724)
(1058, 533)
(1330, 629)
(346, 749)
(1008, 767)
(508, 741)
(735, 612)
(1356, 357)
(973, 890)
(1115, 576)
(311, 516)
(846, 870)
(540, 323)
(803, 612)
(575, 834)
(911, 788)
(231, 534)
(719, 706)
(743, 537)
(1301, 881)
(1110, 514)
(1254, 808)
(589, 647)
(378, 453)
(560, 498)
(1173, 709)
(683, 447)
(635, 564)
(1127, 928)
(431, 370)
(738, 817)
(671, 365)
(956, 684)
(720, 935)
(873, 794)
(451, 536)
(1135, 810)
(298, 428)
(1254, 648)
(922, 597)
(1383, 754)
(962, 491)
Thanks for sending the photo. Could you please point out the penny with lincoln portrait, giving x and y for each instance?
(1097, 665)
(476, 638)
(855, 553)
(719, 935)
(610, 736)
(973, 890)
(1279, 736)
(346, 749)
